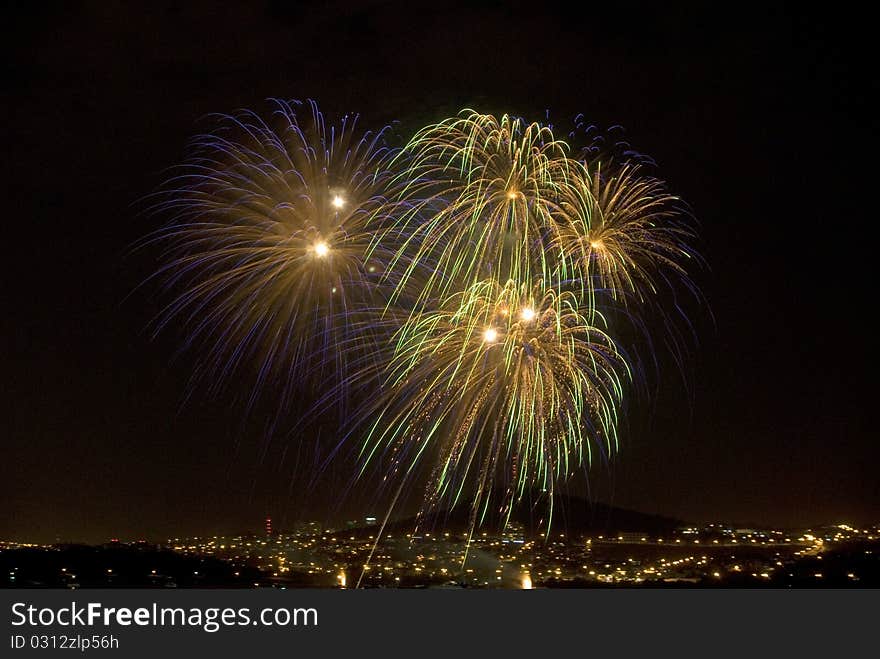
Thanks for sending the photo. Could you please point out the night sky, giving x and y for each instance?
(757, 118)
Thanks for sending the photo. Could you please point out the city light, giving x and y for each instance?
(315, 557)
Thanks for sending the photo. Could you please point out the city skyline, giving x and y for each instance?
(312, 556)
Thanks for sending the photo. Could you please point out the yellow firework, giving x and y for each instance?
(503, 388)
(267, 248)
(620, 233)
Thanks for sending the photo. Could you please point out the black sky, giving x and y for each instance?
(758, 118)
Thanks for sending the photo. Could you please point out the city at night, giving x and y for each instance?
(307, 298)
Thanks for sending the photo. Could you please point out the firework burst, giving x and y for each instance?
(620, 233)
(479, 194)
(503, 388)
(267, 247)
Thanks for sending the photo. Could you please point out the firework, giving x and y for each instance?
(619, 232)
(479, 194)
(267, 247)
(503, 388)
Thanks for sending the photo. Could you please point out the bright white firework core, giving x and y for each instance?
(338, 202)
(527, 314)
(490, 335)
(321, 248)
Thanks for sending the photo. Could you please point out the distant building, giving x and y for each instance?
(514, 533)
(631, 536)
